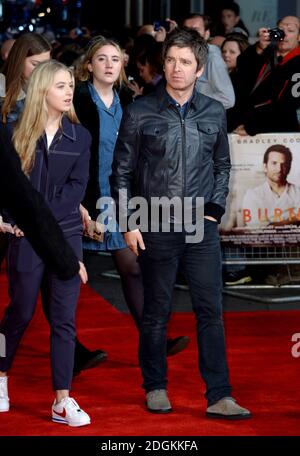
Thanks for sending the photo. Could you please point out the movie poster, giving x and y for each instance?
(263, 205)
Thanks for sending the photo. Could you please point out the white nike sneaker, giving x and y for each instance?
(67, 411)
(4, 399)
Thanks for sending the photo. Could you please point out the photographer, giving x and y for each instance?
(265, 73)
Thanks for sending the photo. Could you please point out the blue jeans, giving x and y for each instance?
(201, 264)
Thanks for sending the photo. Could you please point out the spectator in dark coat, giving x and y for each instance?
(273, 104)
(233, 46)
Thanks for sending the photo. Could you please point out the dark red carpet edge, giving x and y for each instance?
(264, 375)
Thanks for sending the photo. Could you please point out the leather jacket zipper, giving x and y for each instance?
(183, 156)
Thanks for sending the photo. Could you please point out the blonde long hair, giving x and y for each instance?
(82, 72)
(33, 120)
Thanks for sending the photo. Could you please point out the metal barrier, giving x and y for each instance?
(250, 256)
(263, 256)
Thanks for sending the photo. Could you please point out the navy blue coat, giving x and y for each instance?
(32, 214)
(60, 174)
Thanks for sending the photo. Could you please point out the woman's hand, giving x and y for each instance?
(2, 230)
(173, 24)
(160, 35)
(82, 272)
(5, 227)
(136, 89)
(84, 217)
(17, 231)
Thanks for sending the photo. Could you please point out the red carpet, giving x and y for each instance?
(264, 374)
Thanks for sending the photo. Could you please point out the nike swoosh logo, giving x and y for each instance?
(63, 414)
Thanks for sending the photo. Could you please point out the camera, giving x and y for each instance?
(164, 24)
(276, 34)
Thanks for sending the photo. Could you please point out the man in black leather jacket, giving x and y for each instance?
(173, 143)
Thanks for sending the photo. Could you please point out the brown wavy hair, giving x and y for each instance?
(81, 71)
(25, 46)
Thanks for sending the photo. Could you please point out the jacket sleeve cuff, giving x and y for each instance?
(214, 210)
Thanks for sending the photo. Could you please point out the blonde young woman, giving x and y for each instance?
(28, 51)
(101, 83)
(54, 152)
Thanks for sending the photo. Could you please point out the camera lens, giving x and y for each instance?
(276, 34)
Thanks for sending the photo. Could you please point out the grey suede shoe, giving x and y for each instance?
(157, 401)
(227, 409)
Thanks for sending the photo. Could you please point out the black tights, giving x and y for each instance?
(132, 284)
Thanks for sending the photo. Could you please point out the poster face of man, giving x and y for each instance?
(263, 206)
(276, 168)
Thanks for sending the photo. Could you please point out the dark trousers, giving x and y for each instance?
(23, 291)
(3, 247)
(201, 264)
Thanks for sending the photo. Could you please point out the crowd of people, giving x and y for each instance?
(149, 114)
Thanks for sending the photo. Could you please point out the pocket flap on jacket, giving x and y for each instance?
(209, 129)
(155, 129)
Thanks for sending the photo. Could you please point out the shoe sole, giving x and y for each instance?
(159, 412)
(4, 410)
(62, 421)
(240, 281)
(228, 417)
(179, 346)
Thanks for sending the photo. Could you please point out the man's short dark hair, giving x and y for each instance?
(186, 37)
(232, 6)
(207, 21)
(282, 150)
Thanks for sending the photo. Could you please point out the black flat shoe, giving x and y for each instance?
(177, 344)
(88, 360)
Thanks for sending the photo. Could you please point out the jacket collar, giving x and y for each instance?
(68, 128)
(164, 99)
(294, 53)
